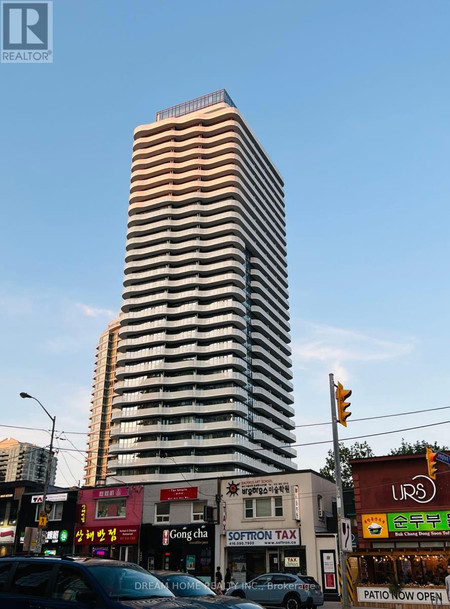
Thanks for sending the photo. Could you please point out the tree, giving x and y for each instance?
(358, 450)
(406, 448)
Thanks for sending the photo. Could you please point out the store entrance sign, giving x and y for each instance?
(414, 596)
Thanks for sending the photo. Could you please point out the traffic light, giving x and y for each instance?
(342, 395)
(431, 463)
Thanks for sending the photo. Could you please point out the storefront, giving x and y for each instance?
(252, 552)
(108, 522)
(187, 548)
(178, 530)
(275, 523)
(403, 519)
(58, 534)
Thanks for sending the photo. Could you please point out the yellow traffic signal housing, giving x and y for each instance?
(431, 463)
(341, 396)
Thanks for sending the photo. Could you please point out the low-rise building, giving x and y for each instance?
(278, 523)
(403, 518)
(108, 522)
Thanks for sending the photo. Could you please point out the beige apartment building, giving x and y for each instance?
(203, 359)
(25, 461)
(278, 523)
(102, 397)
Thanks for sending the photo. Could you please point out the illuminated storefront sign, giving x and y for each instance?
(107, 535)
(406, 524)
(7, 534)
(51, 498)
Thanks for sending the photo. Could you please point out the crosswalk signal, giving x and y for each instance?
(341, 396)
(431, 463)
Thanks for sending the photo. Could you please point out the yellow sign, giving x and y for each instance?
(43, 520)
(374, 526)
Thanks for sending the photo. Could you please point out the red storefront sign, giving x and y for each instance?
(107, 535)
(177, 494)
(110, 493)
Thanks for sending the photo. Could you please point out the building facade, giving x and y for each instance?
(203, 365)
(278, 523)
(178, 530)
(25, 461)
(403, 518)
(102, 397)
(58, 534)
(108, 522)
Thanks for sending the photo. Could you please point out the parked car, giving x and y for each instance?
(275, 589)
(90, 583)
(189, 586)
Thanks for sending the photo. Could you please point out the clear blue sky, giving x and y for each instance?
(351, 101)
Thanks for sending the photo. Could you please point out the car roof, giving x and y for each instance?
(162, 573)
(90, 562)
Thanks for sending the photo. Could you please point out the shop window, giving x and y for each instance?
(263, 507)
(162, 512)
(56, 511)
(198, 510)
(111, 508)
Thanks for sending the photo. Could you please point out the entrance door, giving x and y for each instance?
(126, 553)
(274, 562)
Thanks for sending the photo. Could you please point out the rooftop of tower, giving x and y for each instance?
(198, 103)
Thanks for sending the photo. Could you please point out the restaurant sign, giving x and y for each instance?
(269, 537)
(406, 524)
(107, 535)
(414, 596)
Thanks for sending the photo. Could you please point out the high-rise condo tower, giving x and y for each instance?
(203, 361)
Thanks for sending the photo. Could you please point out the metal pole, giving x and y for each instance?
(46, 484)
(47, 471)
(339, 494)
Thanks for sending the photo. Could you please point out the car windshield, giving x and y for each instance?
(185, 585)
(128, 582)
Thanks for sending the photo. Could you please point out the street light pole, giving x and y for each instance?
(47, 471)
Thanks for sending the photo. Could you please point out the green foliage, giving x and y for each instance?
(361, 450)
(358, 450)
(406, 448)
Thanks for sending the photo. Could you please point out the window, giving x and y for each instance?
(197, 510)
(162, 512)
(69, 584)
(263, 507)
(56, 511)
(111, 508)
(31, 579)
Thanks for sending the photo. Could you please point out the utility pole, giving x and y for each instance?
(43, 515)
(339, 495)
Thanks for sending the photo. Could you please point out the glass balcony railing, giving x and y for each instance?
(196, 104)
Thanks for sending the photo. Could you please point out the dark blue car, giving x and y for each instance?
(90, 583)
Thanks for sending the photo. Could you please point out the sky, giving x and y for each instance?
(350, 99)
